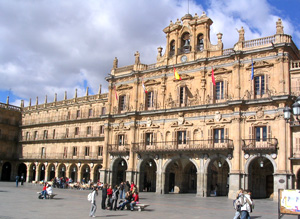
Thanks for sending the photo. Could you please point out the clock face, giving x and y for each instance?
(183, 58)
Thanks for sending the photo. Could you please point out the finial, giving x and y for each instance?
(100, 86)
(7, 100)
(22, 104)
(75, 93)
(55, 97)
(46, 99)
(29, 102)
(37, 101)
(87, 91)
(65, 97)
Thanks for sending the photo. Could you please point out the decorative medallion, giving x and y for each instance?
(183, 58)
(149, 122)
(218, 116)
(180, 120)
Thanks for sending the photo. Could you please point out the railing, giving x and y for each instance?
(10, 107)
(295, 65)
(60, 156)
(151, 66)
(259, 42)
(188, 145)
(118, 148)
(124, 69)
(228, 51)
(261, 144)
(63, 137)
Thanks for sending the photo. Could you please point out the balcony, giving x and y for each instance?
(189, 145)
(58, 156)
(64, 137)
(118, 148)
(266, 144)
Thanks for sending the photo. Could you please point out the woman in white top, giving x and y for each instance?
(93, 202)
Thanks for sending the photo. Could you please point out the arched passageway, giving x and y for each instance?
(85, 173)
(181, 177)
(22, 171)
(261, 179)
(218, 177)
(148, 176)
(6, 171)
(119, 171)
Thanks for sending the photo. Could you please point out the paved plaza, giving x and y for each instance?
(22, 202)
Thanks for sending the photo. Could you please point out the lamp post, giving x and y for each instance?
(287, 111)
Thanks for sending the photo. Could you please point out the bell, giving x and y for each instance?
(187, 43)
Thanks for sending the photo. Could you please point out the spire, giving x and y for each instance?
(100, 86)
(46, 99)
(29, 101)
(75, 93)
(65, 97)
(37, 101)
(55, 97)
(7, 100)
(87, 91)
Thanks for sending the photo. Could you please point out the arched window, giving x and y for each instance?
(185, 43)
(172, 48)
(200, 42)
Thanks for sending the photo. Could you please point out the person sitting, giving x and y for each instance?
(44, 192)
(135, 200)
(49, 190)
(128, 199)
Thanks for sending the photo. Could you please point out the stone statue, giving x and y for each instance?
(115, 65)
(137, 57)
(241, 35)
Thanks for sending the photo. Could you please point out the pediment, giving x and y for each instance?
(219, 71)
(184, 77)
(124, 87)
(151, 82)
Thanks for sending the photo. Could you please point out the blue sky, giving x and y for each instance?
(50, 47)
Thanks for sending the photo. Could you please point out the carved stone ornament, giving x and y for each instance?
(218, 116)
(260, 113)
(149, 122)
(180, 120)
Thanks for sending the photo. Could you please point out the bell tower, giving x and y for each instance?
(188, 39)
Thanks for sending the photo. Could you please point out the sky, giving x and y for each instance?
(49, 47)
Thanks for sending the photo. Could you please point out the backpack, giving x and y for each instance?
(237, 205)
(89, 197)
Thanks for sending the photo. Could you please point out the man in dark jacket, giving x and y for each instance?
(104, 196)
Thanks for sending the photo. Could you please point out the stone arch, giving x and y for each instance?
(213, 157)
(267, 156)
(118, 167)
(22, 171)
(147, 168)
(6, 171)
(170, 160)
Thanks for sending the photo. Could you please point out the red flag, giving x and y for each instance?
(213, 76)
(144, 86)
(116, 92)
(176, 75)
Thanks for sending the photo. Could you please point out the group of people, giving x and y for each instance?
(47, 190)
(127, 193)
(243, 204)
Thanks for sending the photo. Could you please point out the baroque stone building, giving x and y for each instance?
(170, 135)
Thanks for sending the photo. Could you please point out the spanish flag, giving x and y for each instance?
(176, 75)
(213, 76)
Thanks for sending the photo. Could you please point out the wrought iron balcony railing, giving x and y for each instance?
(118, 148)
(188, 145)
(259, 144)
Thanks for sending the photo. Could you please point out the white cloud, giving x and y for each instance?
(48, 47)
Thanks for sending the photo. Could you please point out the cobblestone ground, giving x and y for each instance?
(22, 202)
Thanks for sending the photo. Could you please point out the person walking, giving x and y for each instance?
(237, 205)
(17, 181)
(122, 191)
(104, 196)
(246, 204)
(93, 202)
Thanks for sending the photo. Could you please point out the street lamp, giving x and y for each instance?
(295, 110)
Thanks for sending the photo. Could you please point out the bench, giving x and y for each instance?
(141, 207)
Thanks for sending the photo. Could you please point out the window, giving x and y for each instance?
(122, 103)
(259, 86)
(43, 152)
(182, 95)
(149, 138)
(45, 134)
(74, 151)
(100, 150)
(27, 135)
(181, 137)
(150, 99)
(103, 111)
(219, 90)
(78, 114)
(218, 135)
(69, 115)
(87, 151)
(67, 132)
(35, 135)
(261, 133)
(121, 140)
(172, 48)
(90, 112)
(89, 130)
(65, 152)
(76, 130)
(200, 45)
(101, 129)
(53, 134)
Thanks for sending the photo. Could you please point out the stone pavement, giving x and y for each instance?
(22, 203)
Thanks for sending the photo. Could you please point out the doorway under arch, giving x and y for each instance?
(119, 172)
(85, 173)
(22, 171)
(148, 176)
(261, 179)
(217, 177)
(181, 177)
(42, 172)
(6, 171)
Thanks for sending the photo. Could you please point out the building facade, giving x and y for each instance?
(218, 128)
